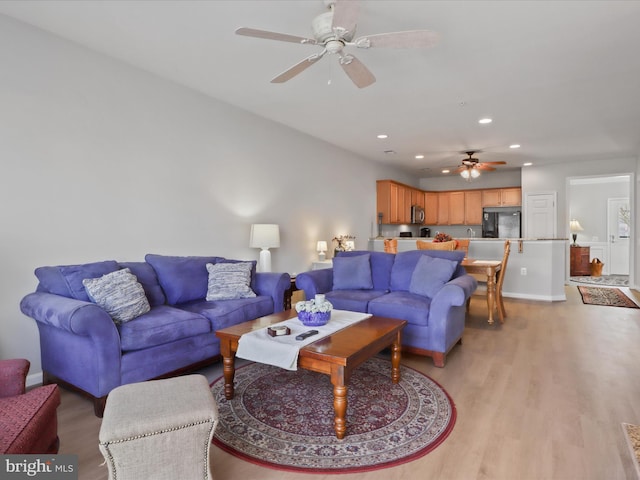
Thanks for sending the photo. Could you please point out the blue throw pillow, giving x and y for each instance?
(352, 273)
(430, 275)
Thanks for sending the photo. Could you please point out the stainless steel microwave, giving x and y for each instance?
(417, 214)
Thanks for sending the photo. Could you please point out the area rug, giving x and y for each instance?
(283, 419)
(632, 437)
(612, 297)
(611, 280)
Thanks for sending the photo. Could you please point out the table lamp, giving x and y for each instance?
(264, 236)
(575, 227)
(321, 247)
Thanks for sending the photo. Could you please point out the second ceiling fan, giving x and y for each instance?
(334, 30)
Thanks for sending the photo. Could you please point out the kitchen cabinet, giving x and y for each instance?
(456, 208)
(502, 197)
(473, 207)
(394, 201)
(443, 208)
(430, 208)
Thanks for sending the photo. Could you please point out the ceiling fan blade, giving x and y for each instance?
(494, 163)
(408, 39)
(283, 37)
(345, 15)
(297, 68)
(358, 73)
(484, 166)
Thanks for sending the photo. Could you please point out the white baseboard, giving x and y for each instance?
(34, 379)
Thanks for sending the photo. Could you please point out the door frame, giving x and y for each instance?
(632, 204)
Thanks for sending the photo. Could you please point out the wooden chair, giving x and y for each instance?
(391, 245)
(463, 244)
(502, 313)
(422, 245)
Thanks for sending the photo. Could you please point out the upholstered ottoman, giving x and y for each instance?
(160, 429)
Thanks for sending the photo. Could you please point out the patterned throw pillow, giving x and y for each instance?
(119, 293)
(228, 281)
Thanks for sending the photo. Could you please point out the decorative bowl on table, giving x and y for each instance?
(315, 312)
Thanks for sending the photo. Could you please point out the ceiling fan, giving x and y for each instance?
(471, 166)
(334, 30)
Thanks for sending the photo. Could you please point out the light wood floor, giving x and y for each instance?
(540, 397)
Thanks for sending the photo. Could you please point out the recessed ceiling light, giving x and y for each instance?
(445, 171)
(382, 136)
(485, 120)
(515, 145)
(528, 164)
(419, 157)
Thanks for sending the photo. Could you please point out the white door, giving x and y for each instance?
(618, 232)
(540, 215)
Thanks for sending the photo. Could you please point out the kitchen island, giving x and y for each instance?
(535, 270)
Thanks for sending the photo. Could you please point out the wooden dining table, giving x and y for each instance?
(490, 268)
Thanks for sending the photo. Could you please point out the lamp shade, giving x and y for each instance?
(264, 235)
(321, 246)
(575, 226)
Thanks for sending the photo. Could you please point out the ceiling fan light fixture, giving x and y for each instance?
(475, 173)
(465, 174)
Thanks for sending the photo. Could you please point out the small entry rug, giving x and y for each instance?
(612, 280)
(283, 419)
(612, 297)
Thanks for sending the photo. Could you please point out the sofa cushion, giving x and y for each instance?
(381, 264)
(119, 293)
(183, 279)
(225, 313)
(66, 280)
(229, 280)
(162, 324)
(147, 277)
(405, 263)
(430, 275)
(403, 305)
(352, 273)
(354, 300)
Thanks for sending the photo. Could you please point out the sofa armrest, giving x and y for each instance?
(13, 376)
(315, 281)
(454, 293)
(74, 316)
(274, 285)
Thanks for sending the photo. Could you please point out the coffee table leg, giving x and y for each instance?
(395, 360)
(228, 368)
(339, 402)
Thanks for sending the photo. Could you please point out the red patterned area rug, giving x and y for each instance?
(284, 420)
(611, 297)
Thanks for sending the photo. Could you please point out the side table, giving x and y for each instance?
(580, 263)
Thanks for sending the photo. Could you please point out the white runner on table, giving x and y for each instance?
(282, 351)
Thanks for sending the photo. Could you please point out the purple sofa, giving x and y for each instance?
(83, 348)
(427, 288)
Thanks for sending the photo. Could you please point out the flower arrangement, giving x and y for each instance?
(442, 237)
(315, 312)
(344, 244)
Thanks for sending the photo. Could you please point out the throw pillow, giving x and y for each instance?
(352, 273)
(430, 275)
(228, 281)
(119, 293)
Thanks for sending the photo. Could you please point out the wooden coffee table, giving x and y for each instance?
(336, 355)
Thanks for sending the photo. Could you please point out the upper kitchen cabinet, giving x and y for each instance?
(394, 201)
(502, 197)
(430, 208)
(473, 207)
(456, 208)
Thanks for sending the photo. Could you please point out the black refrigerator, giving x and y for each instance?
(501, 222)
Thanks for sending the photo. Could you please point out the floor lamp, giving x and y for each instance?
(264, 236)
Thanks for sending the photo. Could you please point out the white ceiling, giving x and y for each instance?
(561, 78)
